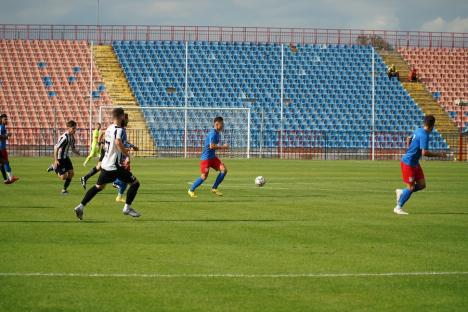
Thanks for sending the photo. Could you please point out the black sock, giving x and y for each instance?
(89, 195)
(91, 172)
(131, 193)
(66, 183)
(2, 169)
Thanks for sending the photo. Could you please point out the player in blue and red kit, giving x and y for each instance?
(413, 175)
(209, 159)
(8, 177)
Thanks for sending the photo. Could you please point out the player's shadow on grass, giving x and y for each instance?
(441, 213)
(52, 221)
(219, 220)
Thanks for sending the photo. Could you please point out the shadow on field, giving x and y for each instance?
(51, 221)
(219, 220)
(441, 213)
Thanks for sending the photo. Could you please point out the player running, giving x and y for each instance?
(62, 164)
(209, 159)
(112, 169)
(8, 177)
(95, 151)
(413, 176)
(120, 185)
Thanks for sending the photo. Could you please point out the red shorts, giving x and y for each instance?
(214, 163)
(3, 155)
(411, 174)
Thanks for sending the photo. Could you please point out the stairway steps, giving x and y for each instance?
(119, 90)
(421, 95)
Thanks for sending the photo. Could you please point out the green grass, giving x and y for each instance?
(311, 217)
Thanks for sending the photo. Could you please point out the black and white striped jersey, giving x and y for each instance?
(113, 156)
(65, 142)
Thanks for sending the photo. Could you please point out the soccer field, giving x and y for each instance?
(321, 235)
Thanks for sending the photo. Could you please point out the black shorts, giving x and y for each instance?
(123, 175)
(64, 166)
(101, 157)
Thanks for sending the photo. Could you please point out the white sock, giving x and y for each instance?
(127, 206)
(9, 175)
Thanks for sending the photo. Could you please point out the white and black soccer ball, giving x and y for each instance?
(260, 181)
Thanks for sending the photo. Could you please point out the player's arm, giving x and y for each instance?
(215, 146)
(424, 146)
(101, 140)
(131, 147)
(121, 147)
(4, 136)
(428, 153)
(408, 141)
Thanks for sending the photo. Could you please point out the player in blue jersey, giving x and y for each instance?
(8, 177)
(413, 175)
(209, 159)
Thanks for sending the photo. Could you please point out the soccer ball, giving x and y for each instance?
(260, 181)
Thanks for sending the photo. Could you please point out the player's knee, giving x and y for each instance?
(71, 174)
(224, 170)
(100, 187)
(204, 176)
(136, 184)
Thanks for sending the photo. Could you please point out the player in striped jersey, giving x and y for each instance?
(113, 168)
(62, 163)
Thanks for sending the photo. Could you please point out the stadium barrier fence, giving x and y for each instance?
(300, 144)
(105, 34)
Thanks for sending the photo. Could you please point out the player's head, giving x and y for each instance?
(218, 123)
(429, 122)
(98, 125)
(3, 119)
(118, 114)
(125, 120)
(71, 126)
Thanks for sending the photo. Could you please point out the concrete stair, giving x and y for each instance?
(422, 96)
(117, 87)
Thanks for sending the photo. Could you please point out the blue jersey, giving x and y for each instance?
(419, 142)
(211, 138)
(3, 131)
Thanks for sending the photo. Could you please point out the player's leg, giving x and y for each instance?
(6, 166)
(415, 181)
(104, 178)
(218, 166)
(92, 153)
(121, 187)
(4, 174)
(91, 172)
(128, 178)
(69, 176)
(204, 169)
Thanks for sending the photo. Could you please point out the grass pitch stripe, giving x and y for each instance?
(226, 275)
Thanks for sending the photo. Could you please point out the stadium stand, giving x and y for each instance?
(327, 87)
(444, 71)
(44, 83)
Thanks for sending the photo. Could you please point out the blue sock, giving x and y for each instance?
(196, 184)
(405, 196)
(122, 188)
(7, 167)
(219, 179)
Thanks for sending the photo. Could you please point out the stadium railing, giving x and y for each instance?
(297, 144)
(108, 33)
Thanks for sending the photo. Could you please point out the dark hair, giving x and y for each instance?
(218, 119)
(71, 124)
(3, 116)
(429, 121)
(117, 112)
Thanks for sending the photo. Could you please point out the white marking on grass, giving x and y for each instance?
(225, 275)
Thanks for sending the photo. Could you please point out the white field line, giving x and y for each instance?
(225, 275)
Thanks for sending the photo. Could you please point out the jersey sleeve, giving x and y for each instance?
(61, 142)
(118, 134)
(214, 138)
(424, 141)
